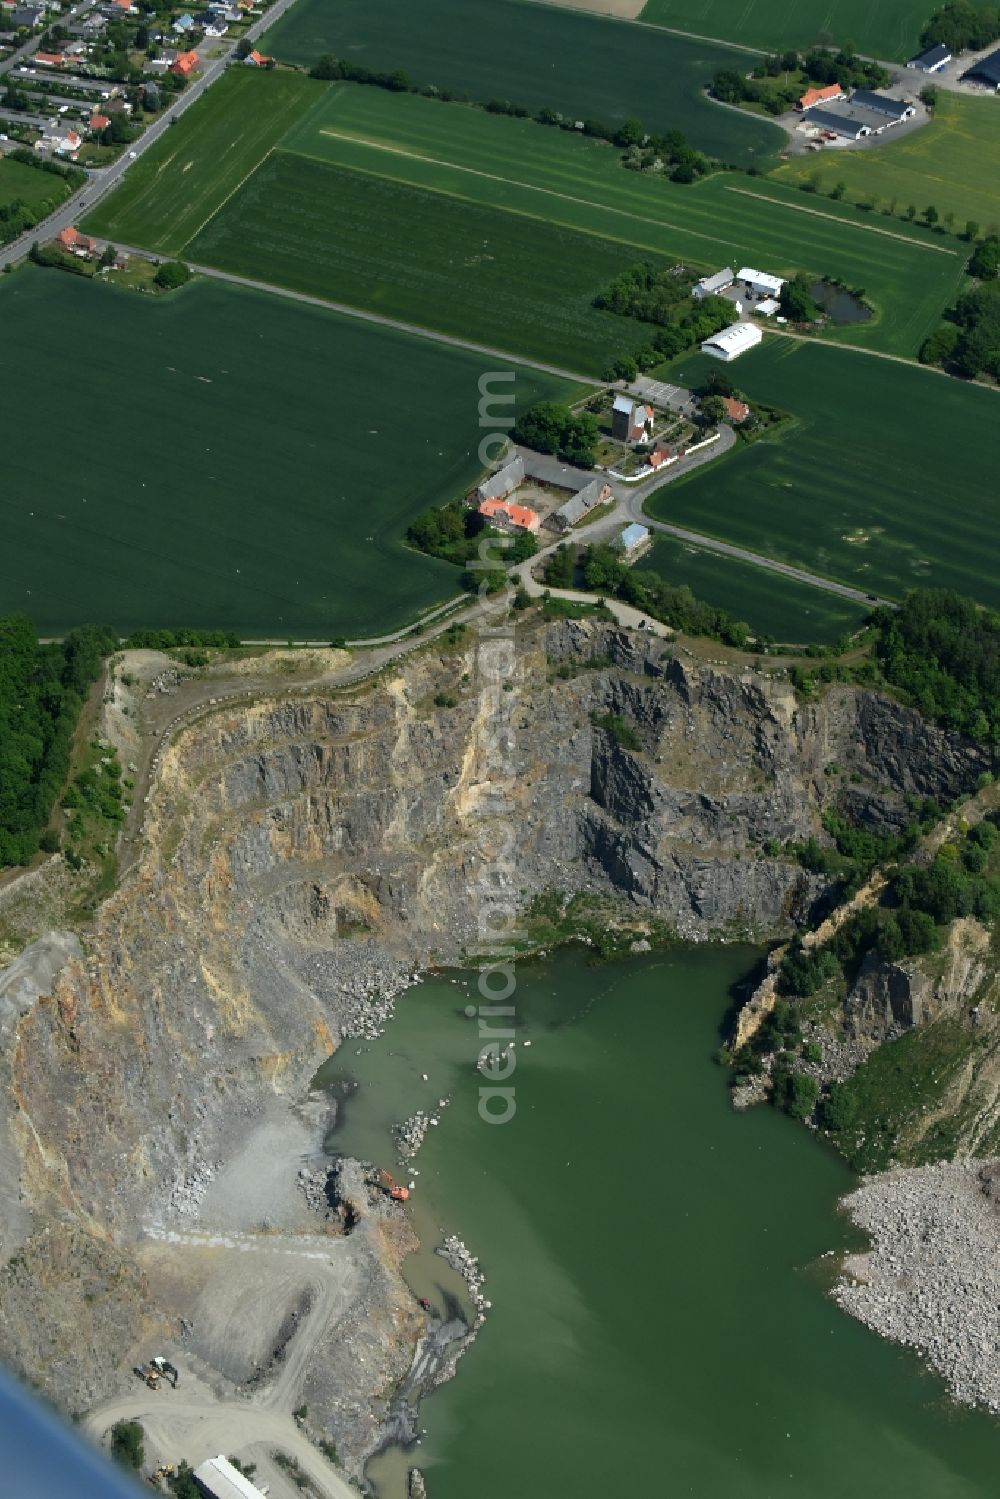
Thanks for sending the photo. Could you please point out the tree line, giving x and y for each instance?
(819, 67)
(662, 297)
(967, 342)
(42, 690)
(962, 27)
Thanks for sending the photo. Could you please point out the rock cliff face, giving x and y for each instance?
(305, 856)
(887, 998)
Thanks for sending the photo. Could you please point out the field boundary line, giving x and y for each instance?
(531, 187)
(913, 364)
(834, 218)
(220, 206)
(636, 20)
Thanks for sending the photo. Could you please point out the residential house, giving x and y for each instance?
(931, 61)
(597, 492)
(184, 64)
(641, 423)
(510, 517)
(736, 411)
(733, 341)
(499, 485)
(183, 23)
(50, 59)
(713, 286)
(27, 15)
(814, 96)
(97, 123)
(633, 539)
(256, 60)
(216, 27)
(76, 243)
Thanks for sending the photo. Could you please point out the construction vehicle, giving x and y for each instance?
(396, 1192)
(164, 1472)
(148, 1374)
(165, 1367)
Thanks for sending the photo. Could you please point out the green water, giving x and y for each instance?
(659, 1322)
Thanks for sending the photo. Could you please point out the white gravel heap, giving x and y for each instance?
(932, 1277)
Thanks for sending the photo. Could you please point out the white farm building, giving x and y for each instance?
(713, 286)
(759, 283)
(733, 341)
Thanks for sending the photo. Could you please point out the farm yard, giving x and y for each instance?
(534, 55)
(259, 477)
(461, 268)
(953, 162)
(887, 31)
(886, 481)
(770, 604)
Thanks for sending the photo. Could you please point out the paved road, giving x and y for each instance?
(102, 182)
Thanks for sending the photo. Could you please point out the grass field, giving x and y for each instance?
(38, 189)
(534, 55)
(888, 30)
(253, 464)
(953, 162)
(180, 181)
(557, 211)
(887, 482)
(461, 268)
(528, 169)
(771, 605)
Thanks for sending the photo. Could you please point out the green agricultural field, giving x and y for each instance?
(248, 463)
(953, 163)
(909, 274)
(887, 481)
(37, 189)
(461, 268)
(585, 66)
(771, 605)
(889, 30)
(181, 180)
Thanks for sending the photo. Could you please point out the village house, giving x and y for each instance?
(184, 64)
(737, 411)
(183, 23)
(597, 492)
(28, 16)
(97, 123)
(256, 60)
(662, 458)
(60, 140)
(50, 59)
(75, 243)
(507, 516)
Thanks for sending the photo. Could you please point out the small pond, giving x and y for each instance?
(840, 305)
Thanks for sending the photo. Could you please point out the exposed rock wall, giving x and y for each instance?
(303, 858)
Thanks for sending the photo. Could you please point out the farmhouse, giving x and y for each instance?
(932, 60)
(76, 243)
(217, 1478)
(733, 341)
(593, 494)
(510, 517)
(813, 96)
(759, 283)
(499, 485)
(633, 539)
(184, 64)
(986, 70)
(256, 60)
(737, 411)
(713, 286)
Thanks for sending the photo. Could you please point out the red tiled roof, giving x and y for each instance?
(99, 122)
(184, 63)
(738, 411)
(816, 95)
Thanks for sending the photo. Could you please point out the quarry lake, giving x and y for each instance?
(655, 1262)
